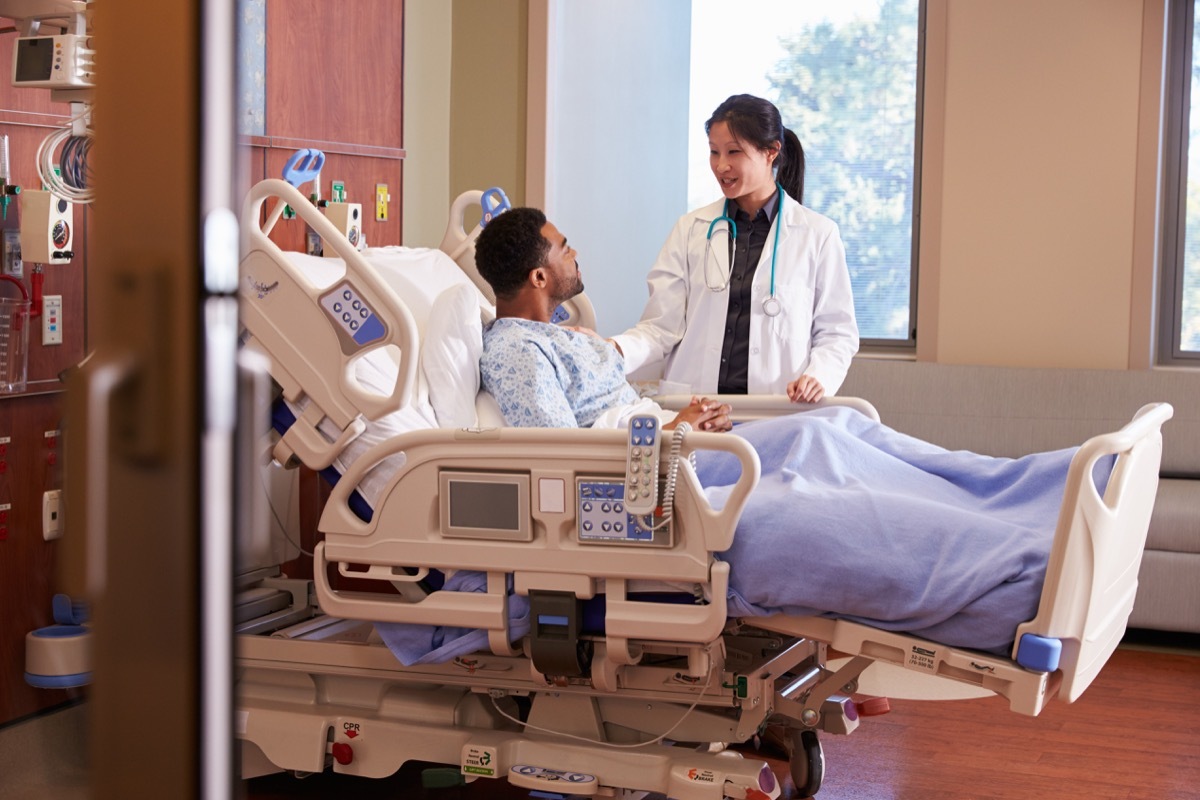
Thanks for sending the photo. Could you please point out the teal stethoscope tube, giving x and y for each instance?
(771, 305)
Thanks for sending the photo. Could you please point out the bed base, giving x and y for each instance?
(340, 701)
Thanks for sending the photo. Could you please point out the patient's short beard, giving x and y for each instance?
(566, 291)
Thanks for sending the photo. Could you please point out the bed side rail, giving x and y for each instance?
(1092, 574)
(748, 407)
(551, 467)
(313, 336)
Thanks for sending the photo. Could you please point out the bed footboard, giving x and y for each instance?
(1091, 580)
(1092, 575)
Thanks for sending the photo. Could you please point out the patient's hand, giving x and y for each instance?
(705, 415)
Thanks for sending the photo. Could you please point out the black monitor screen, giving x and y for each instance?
(35, 58)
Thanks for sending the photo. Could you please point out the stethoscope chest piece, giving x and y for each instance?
(771, 305)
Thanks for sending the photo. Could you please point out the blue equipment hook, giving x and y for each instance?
(494, 203)
(304, 165)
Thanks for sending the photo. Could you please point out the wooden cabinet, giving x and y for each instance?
(333, 77)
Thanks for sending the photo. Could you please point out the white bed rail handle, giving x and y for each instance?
(719, 537)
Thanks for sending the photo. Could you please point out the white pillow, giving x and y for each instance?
(450, 354)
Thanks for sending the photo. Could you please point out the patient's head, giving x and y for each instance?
(528, 263)
(509, 248)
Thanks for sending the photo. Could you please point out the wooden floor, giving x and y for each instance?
(1135, 735)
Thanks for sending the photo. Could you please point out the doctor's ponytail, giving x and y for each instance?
(757, 121)
(790, 166)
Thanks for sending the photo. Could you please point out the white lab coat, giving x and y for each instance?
(684, 320)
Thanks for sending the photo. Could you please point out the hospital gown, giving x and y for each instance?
(547, 376)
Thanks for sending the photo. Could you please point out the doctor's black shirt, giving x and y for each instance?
(733, 375)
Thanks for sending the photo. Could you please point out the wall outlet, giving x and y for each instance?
(52, 333)
(52, 514)
(381, 202)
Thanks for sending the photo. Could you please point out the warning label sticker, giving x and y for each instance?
(922, 658)
(479, 761)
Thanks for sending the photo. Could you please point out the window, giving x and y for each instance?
(845, 76)
(1179, 318)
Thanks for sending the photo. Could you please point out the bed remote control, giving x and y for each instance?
(641, 469)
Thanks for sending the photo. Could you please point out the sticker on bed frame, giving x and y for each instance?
(479, 761)
(922, 658)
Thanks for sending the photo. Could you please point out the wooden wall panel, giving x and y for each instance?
(334, 71)
(31, 465)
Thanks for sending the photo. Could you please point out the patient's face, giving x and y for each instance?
(566, 280)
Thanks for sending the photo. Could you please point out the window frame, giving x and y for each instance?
(1176, 135)
(908, 346)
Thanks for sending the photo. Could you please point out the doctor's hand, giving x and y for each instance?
(705, 415)
(805, 389)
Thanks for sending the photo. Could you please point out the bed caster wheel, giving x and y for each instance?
(807, 764)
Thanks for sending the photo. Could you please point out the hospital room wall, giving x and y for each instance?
(1038, 239)
(1039, 175)
(465, 106)
(31, 422)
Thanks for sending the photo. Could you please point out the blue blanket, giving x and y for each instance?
(852, 519)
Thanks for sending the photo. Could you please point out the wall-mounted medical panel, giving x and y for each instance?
(31, 462)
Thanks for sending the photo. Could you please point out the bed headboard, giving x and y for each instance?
(313, 336)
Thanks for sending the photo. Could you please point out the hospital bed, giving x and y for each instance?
(627, 676)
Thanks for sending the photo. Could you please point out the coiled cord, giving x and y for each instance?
(668, 499)
(74, 183)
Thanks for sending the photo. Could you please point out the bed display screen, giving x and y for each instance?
(485, 505)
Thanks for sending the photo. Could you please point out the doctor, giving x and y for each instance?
(750, 294)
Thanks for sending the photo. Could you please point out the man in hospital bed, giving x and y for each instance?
(851, 518)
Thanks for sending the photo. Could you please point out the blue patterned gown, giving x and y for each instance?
(546, 376)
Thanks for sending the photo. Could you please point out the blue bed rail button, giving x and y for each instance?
(1039, 653)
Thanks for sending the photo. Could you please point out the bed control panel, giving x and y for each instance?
(602, 516)
(356, 322)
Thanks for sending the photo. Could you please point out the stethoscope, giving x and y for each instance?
(771, 305)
